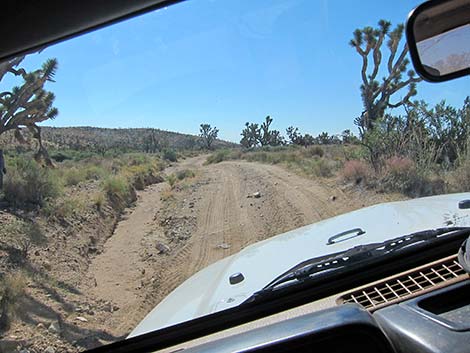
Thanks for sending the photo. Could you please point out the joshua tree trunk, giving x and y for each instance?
(3, 169)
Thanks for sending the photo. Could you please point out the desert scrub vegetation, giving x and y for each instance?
(142, 171)
(178, 177)
(184, 174)
(224, 155)
(12, 289)
(19, 236)
(64, 208)
(171, 180)
(169, 155)
(460, 177)
(312, 161)
(28, 185)
(99, 200)
(113, 142)
(131, 172)
(117, 188)
(31, 186)
(356, 171)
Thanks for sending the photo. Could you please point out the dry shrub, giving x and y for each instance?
(171, 179)
(12, 289)
(74, 176)
(356, 171)
(402, 175)
(99, 200)
(400, 166)
(64, 208)
(167, 194)
(460, 178)
(95, 172)
(312, 151)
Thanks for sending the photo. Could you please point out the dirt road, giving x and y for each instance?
(171, 234)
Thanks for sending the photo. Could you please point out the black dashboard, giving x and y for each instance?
(437, 321)
(325, 331)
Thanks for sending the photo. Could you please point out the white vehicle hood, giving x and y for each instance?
(209, 290)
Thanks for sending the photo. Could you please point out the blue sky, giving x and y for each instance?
(225, 62)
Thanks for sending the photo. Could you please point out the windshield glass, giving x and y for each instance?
(135, 156)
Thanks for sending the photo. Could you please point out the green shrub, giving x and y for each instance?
(317, 167)
(185, 173)
(257, 157)
(74, 176)
(64, 208)
(141, 175)
(99, 201)
(116, 187)
(217, 157)
(169, 155)
(224, 155)
(59, 156)
(68, 154)
(312, 151)
(28, 185)
(171, 179)
(94, 172)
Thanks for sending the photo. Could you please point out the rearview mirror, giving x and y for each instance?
(438, 36)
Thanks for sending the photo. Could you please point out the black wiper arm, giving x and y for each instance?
(326, 265)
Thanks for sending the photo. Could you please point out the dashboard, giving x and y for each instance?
(424, 309)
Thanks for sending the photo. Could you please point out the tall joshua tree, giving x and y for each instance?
(29, 104)
(208, 134)
(377, 94)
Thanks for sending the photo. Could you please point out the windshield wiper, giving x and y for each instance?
(325, 266)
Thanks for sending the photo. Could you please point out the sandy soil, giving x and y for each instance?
(171, 234)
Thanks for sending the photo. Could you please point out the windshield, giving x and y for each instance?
(133, 157)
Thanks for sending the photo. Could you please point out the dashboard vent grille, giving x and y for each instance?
(406, 285)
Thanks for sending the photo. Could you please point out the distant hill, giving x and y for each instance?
(138, 139)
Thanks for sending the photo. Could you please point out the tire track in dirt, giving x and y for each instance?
(228, 217)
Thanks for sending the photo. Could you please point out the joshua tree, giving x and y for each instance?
(269, 137)
(324, 138)
(265, 137)
(254, 135)
(29, 104)
(297, 138)
(250, 135)
(208, 135)
(293, 135)
(376, 95)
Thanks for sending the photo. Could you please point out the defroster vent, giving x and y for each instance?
(407, 284)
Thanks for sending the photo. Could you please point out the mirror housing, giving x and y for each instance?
(438, 37)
